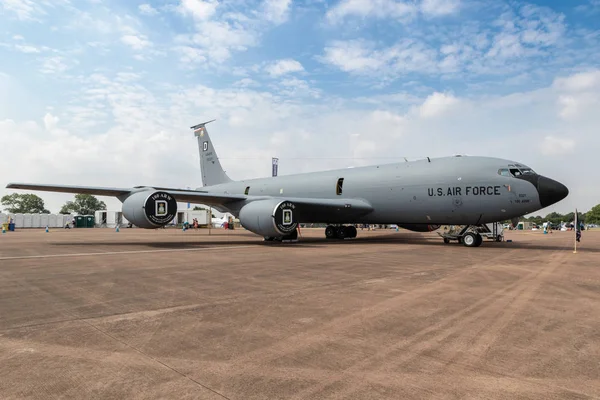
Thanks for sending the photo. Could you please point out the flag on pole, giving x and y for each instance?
(577, 227)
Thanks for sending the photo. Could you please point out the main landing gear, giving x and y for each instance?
(340, 231)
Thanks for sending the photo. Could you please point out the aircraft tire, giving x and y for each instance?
(341, 232)
(350, 231)
(446, 240)
(479, 240)
(330, 232)
(470, 239)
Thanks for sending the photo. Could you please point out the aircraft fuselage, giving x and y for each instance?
(449, 190)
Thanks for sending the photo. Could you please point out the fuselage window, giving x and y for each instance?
(503, 172)
(247, 190)
(338, 188)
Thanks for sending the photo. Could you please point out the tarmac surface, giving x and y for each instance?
(94, 313)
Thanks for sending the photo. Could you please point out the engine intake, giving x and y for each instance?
(420, 227)
(150, 210)
(269, 218)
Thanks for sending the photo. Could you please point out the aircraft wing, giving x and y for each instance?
(313, 209)
(179, 194)
(100, 191)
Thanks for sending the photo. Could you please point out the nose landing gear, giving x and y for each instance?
(466, 236)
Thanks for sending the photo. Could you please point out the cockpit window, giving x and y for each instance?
(516, 170)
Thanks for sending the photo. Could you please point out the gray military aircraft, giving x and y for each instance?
(418, 195)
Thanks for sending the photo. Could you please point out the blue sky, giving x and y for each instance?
(103, 92)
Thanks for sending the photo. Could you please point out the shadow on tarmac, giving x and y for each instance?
(392, 239)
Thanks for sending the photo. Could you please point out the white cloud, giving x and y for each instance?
(354, 56)
(276, 11)
(27, 49)
(437, 104)
(294, 87)
(371, 8)
(200, 10)
(246, 82)
(222, 29)
(579, 82)
(439, 7)
(282, 67)
(56, 65)
(31, 10)
(50, 121)
(147, 9)
(24, 9)
(516, 40)
(136, 42)
(361, 57)
(552, 146)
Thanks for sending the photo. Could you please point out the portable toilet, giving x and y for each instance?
(44, 220)
(79, 221)
(89, 221)
(36, 221)
(19, 220)
(27, 220)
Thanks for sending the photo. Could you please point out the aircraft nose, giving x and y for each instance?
(551, 191)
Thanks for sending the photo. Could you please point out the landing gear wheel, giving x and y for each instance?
(479, 240)
(446, 240)
(471, 239)
(341, 232)
(330, 232)
(268, 238)
(499, 238)
(350, 231)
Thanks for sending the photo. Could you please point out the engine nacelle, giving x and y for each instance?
(150, 210)
(270, 217)
(420, 227)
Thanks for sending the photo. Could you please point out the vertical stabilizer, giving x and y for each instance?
(210, 166)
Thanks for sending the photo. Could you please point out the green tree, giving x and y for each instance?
(84, 204)
(23, 204)
(555, 217)
(593, 216)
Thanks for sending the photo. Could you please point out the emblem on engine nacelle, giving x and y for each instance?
(160, 208)
(284, 217)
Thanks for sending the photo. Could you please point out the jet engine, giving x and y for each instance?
(420, 227)
(269, 217)
(150, 210)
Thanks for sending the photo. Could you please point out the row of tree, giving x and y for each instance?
(590, 217)
(83, 204)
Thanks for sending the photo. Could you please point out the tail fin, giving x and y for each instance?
(212, 172)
